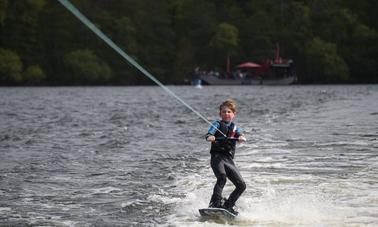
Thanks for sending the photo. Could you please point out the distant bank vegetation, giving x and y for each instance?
(41, 43)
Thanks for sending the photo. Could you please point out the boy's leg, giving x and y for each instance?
(234, 175)
(217, 164)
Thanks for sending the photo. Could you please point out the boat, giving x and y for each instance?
(272, 72)
(276, 74)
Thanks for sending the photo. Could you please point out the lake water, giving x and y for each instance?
(134, 156)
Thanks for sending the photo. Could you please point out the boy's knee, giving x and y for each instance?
(242, 186)
(221, 179)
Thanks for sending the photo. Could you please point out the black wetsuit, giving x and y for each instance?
(222, 154)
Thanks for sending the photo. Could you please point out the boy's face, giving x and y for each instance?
(227, 114)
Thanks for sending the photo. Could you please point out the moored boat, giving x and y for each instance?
(272, 72)
(275, 74)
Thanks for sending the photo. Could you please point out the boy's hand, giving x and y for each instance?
(210, 138)
(242, 138)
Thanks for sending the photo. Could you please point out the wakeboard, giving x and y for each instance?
(216, 213)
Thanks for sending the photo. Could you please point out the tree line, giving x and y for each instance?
(41, 43)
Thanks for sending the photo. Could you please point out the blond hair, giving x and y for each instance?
(229, 103)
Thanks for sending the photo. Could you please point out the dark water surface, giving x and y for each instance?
(134, 156)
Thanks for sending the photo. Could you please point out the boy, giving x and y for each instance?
(222, 154)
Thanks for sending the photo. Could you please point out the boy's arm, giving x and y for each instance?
(210, 138)
(242, 138)
(212, 130)
(240, 135)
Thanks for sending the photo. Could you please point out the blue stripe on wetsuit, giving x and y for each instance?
(216, 125)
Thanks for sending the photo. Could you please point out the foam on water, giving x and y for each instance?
(271, 206)
(293, 207)
(105, 190)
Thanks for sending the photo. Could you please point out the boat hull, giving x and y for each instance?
(213, 80)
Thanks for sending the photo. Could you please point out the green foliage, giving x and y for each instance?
(330, 41)
(323, 63)
(125, 34)
(10, 67)
(224, 42)
(86, 68)
(225, 39)
(21, 28)
(3, 10)
(184, 59)
(196, 21)
(34, 75)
